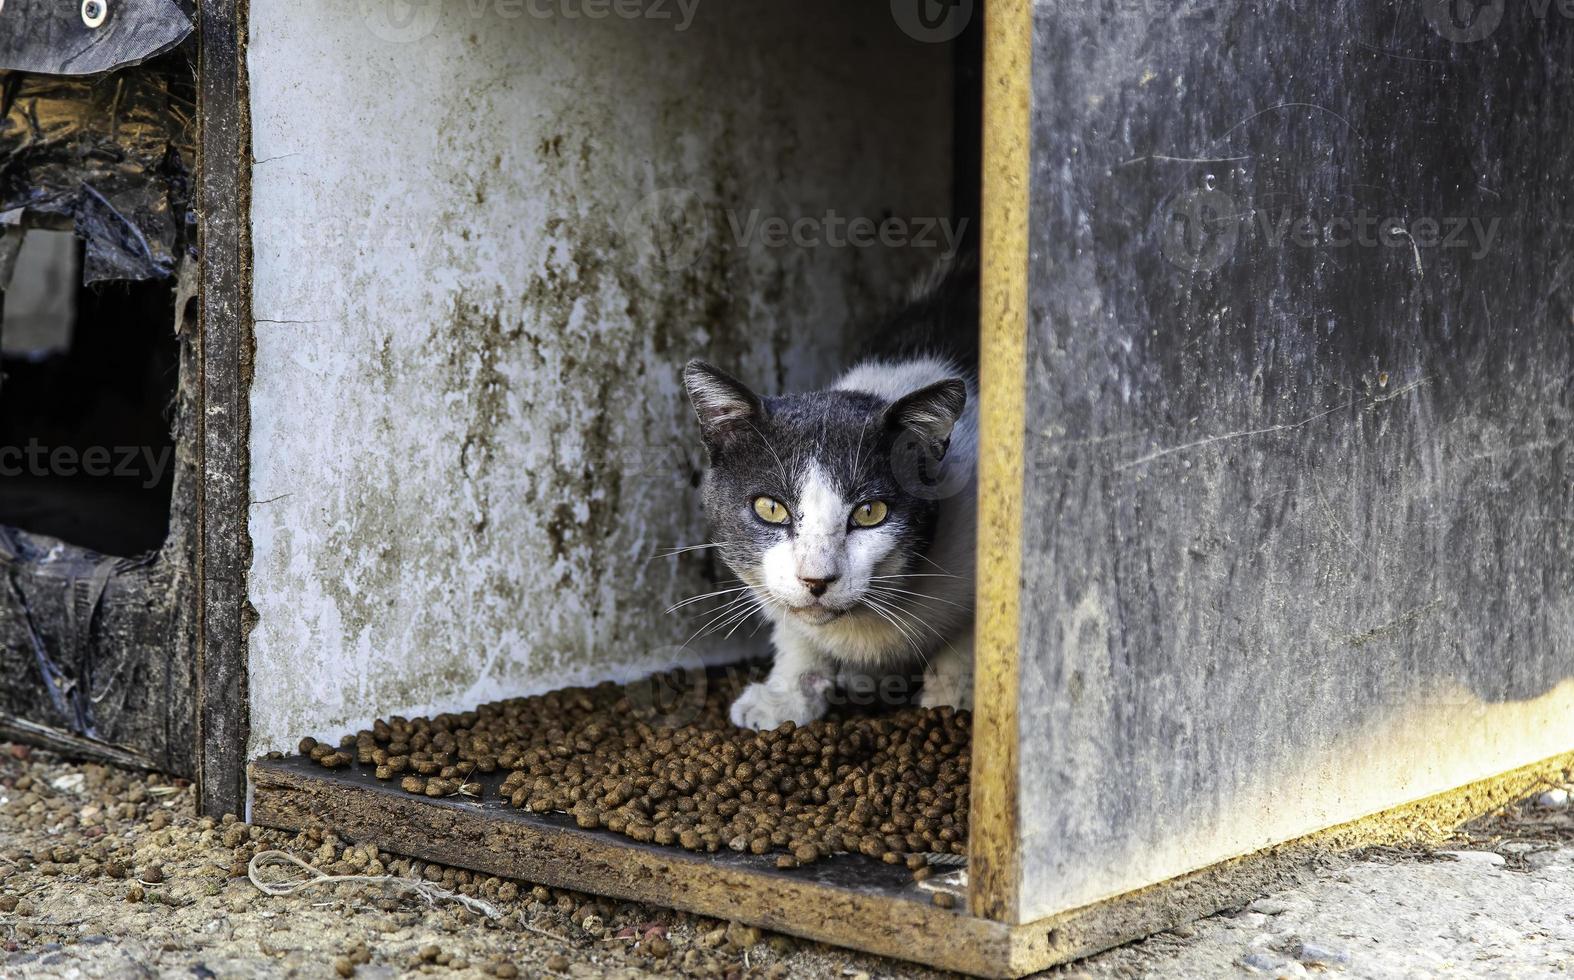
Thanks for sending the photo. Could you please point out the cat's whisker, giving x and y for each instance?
(723, 615)
(877, 608)
(892, 591)
(858, 457)
(922, 609)
(917, 620)
(909, 617)
(738, 616)
(895, 617)
(919, 554)
(726, 608)
(744, 618)
(780, 466)
(671, 552)
(882, 578)
(708, 595)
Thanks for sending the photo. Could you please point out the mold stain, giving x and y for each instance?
(479, 342)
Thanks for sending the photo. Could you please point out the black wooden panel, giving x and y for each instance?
(224, 200)
(1300, 535)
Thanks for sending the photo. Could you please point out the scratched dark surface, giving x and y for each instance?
(1300, 532)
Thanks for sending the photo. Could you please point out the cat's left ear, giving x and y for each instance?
(930, 412)
(724, 405)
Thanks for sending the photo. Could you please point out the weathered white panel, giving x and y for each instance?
(467, 430)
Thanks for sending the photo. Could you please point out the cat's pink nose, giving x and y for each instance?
(817, 586)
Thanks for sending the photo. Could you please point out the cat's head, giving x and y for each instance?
(804, 494)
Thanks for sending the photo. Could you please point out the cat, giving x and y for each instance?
(849, 513)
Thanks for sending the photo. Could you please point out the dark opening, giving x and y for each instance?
(86, 399)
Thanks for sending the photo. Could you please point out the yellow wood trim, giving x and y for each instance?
(994, 832)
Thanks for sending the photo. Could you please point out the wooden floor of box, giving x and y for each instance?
(849, 900)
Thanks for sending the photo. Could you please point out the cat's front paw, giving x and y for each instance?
(762, 707)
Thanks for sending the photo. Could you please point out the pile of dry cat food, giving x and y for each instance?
(892, 785)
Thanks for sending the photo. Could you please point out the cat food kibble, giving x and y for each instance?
(893, 786)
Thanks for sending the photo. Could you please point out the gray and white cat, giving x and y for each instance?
(849, 513)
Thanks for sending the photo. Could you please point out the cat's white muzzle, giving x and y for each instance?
(815, 613)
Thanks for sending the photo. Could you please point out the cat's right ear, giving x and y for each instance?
(724, 405)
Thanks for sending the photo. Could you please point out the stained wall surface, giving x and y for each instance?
(1300, 521)
(485, 242)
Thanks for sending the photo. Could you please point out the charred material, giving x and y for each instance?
(98, 651)
(107, 157)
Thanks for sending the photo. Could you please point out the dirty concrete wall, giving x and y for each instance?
(1300, 521)
(485, 243)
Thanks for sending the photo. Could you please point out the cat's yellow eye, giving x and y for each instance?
(870, 513)
(771, 510)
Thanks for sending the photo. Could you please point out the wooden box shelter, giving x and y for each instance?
(1277, 499)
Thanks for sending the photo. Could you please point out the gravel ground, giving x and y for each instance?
(108, 873)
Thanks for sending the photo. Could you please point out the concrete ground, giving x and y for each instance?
(108, 873)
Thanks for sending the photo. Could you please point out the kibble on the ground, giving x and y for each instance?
(890, 785)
